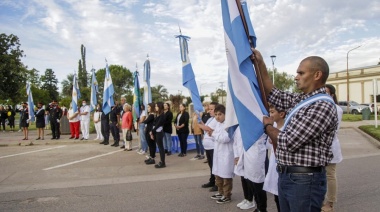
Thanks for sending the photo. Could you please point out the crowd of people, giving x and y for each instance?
(295, 159)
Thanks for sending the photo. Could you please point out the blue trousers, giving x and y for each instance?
(301, 192)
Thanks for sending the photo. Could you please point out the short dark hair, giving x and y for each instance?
(220, 108)
(319, 64)
(332, 92)
(214, 103)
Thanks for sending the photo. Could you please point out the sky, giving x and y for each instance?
(126, 31)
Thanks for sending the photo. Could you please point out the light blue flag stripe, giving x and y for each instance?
(30, 101)
(245, 97)
(94, 91)
(136, 96)
(147, 90)
(75, 94)
(108, 92)
(188, 77)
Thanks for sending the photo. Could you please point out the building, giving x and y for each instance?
(360, 84)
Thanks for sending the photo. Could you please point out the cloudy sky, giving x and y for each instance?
(125, 31)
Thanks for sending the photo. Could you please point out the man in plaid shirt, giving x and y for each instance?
(304, 145)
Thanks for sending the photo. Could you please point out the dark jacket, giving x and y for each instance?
(149, 123)
(158, 122)
(168, 128)
(55, 113)
(183, 120)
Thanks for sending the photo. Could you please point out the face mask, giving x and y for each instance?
(83, 104)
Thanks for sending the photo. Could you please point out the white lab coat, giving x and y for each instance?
(253, 161)
(238, 152)
(223, 161)
(335, 146)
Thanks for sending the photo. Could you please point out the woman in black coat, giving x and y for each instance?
(157, 133)
(24, 118)
(148, 128)
(40, 121)
(168, 129)
(182, 127)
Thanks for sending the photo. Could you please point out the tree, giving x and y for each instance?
(67, 86)
(12, 70)
(82, 71)
(49, 83)
(34, 78)
(159, 93)
(283, 81)
(121, 78)
(176, 100)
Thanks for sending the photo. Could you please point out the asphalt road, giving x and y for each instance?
(86, 176)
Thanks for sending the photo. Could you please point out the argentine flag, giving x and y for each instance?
(244, 105)
(188, 77)
(30, 101)
(136, 96)
(75, 94)
(94, 91)
(147, 90)
(108, 92)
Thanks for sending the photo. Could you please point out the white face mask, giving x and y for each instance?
(83, 103)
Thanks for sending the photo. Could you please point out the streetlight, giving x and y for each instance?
(348, 85)
(273, 57)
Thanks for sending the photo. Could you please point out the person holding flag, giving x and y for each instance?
(24, 124)
(94, 91)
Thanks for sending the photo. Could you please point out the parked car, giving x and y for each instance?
(354, 107)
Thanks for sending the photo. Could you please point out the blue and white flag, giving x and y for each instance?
(108, 92)
(244, 104)
(94, 91)
(136, 96)
(188, 77)
(147, 90)
(30, 101)
(75, 94)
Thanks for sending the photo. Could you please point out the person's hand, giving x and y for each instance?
(58, 120)
(236, 160)
(267, 120)
(257, 56)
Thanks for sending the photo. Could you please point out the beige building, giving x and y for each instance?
(360, 84)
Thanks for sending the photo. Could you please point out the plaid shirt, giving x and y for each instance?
(307, 139)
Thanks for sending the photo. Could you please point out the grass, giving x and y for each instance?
(371, 130)
(358, 117)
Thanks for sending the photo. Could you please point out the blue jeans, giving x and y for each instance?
(301, 192)
(199, 144)
(143, 142)
(168, 141)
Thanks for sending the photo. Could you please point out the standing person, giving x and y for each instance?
(40, 121)
(332, 184)
(126, 126)
(182, 127)
(223, 160)
(304, 145)
(157, 133)
(105, 122)
(143, 142)
(168, 129)
(271, 179)
(3, 116)
(114, 125)
(197, 132)
(74, 123)
(208, 144)
(205, 114)
(97, 123)
(24, 124)
(85, 120)
(11, 118)
(55, 117)
(148, 128)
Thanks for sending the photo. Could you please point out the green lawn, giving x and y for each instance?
(371, 130)
(358, 117)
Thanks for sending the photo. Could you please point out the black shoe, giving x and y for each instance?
(116, 145)
(71, 137)
(169, 153)
(160, 165)
(208, 185)
(122, 147)
(180, 155)
(102, 142)
(82, 138)
(150, 161)
(38, 138)
(113, 144)
(214, 188)
(106, 143)
(52, 138)
(166, 151)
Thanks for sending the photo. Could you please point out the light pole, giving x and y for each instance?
(348, 82)
(273, 57)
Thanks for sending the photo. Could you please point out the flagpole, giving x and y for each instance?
(256, 65)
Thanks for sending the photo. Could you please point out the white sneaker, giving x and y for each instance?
(241, 203)
(248, 205)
